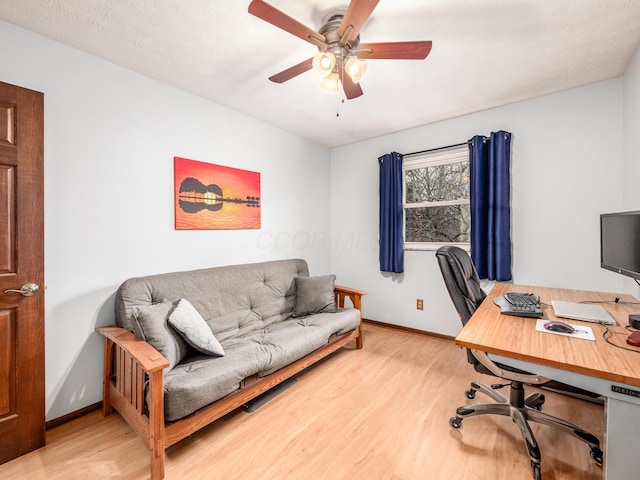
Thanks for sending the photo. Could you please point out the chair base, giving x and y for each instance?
(523, 410)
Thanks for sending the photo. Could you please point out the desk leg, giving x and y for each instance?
(621, 460)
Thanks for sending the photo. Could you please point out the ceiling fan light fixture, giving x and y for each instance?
(323, 63)
(338, 44)
(330, 83)
(355, 68)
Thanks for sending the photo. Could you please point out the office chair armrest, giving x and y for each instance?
(531, 379)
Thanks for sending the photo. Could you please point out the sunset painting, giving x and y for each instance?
(209, 196)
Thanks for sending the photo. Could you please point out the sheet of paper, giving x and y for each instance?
(583, 332)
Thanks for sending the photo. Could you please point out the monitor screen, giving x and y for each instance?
(620, 243)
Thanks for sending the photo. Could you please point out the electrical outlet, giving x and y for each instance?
(420, 304)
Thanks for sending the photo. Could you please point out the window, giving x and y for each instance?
(436, 200)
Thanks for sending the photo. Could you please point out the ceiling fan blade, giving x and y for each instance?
(351, 90)
(281, 20)
(356, 15)
(291, 72)
(395, 50)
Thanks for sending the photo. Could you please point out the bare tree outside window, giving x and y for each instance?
(437, 200)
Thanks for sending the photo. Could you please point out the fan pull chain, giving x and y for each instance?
(338, 100)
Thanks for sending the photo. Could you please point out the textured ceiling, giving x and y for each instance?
(486, 53)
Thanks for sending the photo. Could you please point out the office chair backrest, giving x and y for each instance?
(461, 279)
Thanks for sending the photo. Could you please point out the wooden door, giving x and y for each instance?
(22, 409)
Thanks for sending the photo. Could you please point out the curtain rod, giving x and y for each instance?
(439, 148)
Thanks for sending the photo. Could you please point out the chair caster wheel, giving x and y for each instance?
(596, 455)
(536, 471)
(455, 423)
(471, 394)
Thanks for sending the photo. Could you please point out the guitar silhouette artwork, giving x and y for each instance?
(194, 196)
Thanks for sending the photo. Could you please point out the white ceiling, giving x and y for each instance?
(486, 53)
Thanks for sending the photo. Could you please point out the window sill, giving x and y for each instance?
(411, 246)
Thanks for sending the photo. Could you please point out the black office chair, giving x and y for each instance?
(463, 285)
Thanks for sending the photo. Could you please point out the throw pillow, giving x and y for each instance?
(152, 323)
(314, 295)
(194, 329)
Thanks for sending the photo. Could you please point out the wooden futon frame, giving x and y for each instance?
(129, 363)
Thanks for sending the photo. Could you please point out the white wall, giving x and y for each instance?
(631, 168)
(567, 167)
(110, 139)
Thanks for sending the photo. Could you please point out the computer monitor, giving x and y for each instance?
(620, 243)
(620, 247)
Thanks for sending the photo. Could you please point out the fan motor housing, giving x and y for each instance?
(331, 24)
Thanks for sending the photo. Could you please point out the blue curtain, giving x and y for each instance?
(391, 240)
(490, 194)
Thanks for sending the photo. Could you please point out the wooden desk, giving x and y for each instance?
(595, 366)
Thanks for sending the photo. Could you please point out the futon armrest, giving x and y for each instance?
(147, 357)
(354, 295)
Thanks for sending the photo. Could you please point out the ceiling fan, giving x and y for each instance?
(339, 49)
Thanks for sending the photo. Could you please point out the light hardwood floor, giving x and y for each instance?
(378, 413)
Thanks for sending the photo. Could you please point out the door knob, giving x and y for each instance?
(27, 290)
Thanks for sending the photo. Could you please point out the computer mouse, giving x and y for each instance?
(557, 326)
(634, 339)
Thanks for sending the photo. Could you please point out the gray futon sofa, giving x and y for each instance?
(191, 346)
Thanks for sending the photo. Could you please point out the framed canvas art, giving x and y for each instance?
(209, 196)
